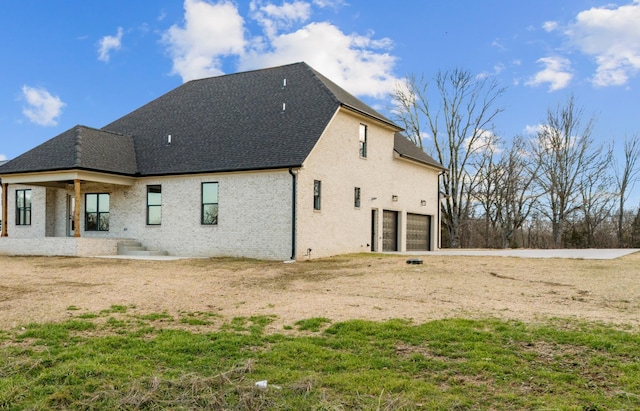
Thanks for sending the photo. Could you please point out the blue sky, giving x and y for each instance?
(90, 62)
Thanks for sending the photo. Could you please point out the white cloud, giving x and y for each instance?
(497, 69)
(353, 61)
(498, 44)
(612, 36)
(533, 130)
(484, 140)
(358, 62)
(296, 11)
(329, 3)
(550, 26)
(107, 44)
(547, 137)
(210, 32)
(42, 108)
(3, 157)
(274, 18)
(556, 72)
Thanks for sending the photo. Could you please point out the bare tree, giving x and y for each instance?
(488, 174)
(411, 107)
(563, 150)
(516, 190)
(596, 195)
(465, 110)
(626, 177)
(635, 230)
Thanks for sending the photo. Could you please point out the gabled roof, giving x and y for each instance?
(405, 148)
(261, 119)
(352, 103)
(82, 148)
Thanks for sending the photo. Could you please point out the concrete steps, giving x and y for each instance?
(133, 247)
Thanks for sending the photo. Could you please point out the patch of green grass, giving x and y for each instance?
(357, 365)
(254, 324)
(54, 334)
(73, 308)
(194, 321)
(312, 324)
(115, 309)
(88, 316)
(116, 324)
(156, 317)
(198, 318)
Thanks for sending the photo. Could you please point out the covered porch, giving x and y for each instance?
(51, 214)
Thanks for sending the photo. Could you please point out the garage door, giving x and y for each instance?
(418, 229)
(389, 230)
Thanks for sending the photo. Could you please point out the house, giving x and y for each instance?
(1, 214)
(279, 163)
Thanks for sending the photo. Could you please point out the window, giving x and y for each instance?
(154, 205)
(23, 207)
(363, 140)
(210, 203)
(96, 216)
(356, 197)
(316, 194)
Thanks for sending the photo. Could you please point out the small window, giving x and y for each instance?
(316, 194)
(23, 207)
(356, 197)
(209, 203)
(96, 216)
(363, 140)
(154, 205)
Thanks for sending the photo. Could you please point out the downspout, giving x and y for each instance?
(439, 207)
(293, 213)
(5, 212)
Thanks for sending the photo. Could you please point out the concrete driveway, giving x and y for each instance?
(586, 254)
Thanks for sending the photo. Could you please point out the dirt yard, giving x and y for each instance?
(40, 289)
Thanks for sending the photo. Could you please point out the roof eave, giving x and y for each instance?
(365, 114)
(67, 174)
(222, 170)
(421, 162)
(62, 169)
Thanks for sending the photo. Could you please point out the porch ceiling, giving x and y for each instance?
(64, 177)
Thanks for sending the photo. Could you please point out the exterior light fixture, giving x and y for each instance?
(394, 198)
(423, 202)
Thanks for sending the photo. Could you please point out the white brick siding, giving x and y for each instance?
(254, 217)
(339, 227)
(38, 213)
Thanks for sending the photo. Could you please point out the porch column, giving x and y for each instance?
(76, 211)
(5, 196)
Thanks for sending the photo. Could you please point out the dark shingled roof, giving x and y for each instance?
(78, 148)
(351, 102)
(405, 148)
(242, 121)
(261, 119)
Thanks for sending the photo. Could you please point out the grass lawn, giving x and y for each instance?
(115, 359)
